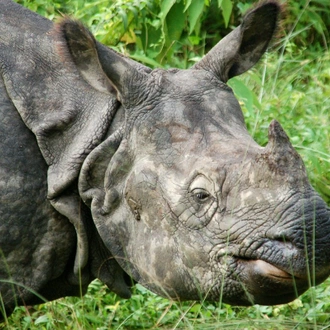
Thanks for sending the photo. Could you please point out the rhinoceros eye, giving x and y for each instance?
(196, 209)
(198, 203)
(200, 195)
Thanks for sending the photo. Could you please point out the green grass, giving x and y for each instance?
(292, 86)
(101, 309)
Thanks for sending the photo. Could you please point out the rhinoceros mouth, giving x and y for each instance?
(269, 284)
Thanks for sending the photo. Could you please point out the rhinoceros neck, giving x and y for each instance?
(68, 118)
(14, 16)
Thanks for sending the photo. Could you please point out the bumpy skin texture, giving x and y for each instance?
(50, 120)
(36, 242)
(109, 168)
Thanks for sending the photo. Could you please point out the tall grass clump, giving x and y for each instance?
(291, 84)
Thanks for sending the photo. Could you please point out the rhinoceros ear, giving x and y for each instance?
(244, 46)
(103, 68)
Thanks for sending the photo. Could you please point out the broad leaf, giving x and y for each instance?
(165, 8)
(195, 10)
(227, 7)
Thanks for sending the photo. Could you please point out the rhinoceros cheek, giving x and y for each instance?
(166, 274)
(158, 253)
(172, 265)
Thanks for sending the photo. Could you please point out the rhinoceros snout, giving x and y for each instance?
(279, 272)
(308, 232)
(290, 257)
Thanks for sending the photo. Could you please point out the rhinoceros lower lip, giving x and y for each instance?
(261, 268)
(264, 268)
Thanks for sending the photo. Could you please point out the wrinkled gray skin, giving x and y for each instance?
(111, 170)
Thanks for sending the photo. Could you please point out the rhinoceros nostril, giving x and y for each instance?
(281, 239)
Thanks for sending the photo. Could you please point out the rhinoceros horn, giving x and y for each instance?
(280, 155)
(243, 47)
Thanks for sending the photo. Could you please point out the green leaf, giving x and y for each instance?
(135, 13)
(42, 319)
(165, 8)
(194, 40)
(146, 60)
(316, 21)
(123, 16)
(150, 37)
(188, 3)
(196, 308)
(175, 22)
(194, 12)
(227, 7)
(243, 93)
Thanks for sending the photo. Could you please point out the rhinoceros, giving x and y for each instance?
(111, 170)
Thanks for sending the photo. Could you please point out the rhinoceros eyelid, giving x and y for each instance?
(201, 182)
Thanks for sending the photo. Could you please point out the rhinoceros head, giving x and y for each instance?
(185, 200)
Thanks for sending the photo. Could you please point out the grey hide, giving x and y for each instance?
(111, 170)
